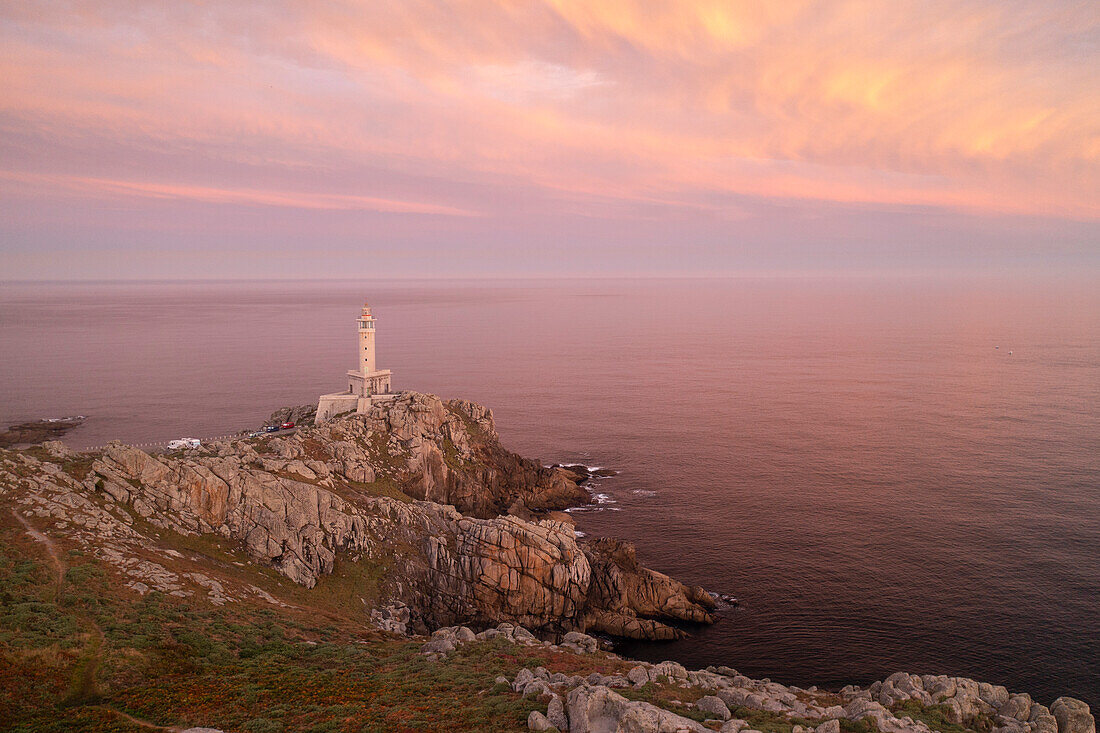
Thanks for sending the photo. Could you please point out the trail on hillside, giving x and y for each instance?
(83, 686)
(139, 721)
(51, 548)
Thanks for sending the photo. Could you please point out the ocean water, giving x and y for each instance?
(890, 474)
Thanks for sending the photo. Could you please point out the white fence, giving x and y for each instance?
(164, 443)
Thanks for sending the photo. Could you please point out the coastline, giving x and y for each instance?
(369, 506)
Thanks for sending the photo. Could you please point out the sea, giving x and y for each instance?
(888, 473)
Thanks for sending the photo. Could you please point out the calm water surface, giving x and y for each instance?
(854, 459)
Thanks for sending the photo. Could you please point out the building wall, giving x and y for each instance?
(330, 405)
(379, 384)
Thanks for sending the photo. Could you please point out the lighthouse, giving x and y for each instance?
(366, 340)
(367, 383)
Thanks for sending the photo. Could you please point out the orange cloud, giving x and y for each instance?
(981, 107)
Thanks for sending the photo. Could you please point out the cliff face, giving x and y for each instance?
(341, 491)
(446, 452)
(448, 568)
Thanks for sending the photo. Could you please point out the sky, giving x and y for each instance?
(410, 138)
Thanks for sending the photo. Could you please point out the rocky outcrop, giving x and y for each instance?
(1073, 716)
(600, 709)
(299, 415)
(448, 568)
(889, 706)
(442, 451)
(626, 599)
(30, 433)
(298, 503)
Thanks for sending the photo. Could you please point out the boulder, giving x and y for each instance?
(733, 696)
(1073, 716)
(523, 678)
(671, 670)
(941, 687)
(638, 675)
(992, 695)
(714, 707)
(555, 713)
(1040, 720)
(57, 449)
(580, 643)
(1017, 706)
(441, 645)
(599, 710)
(536, 688)
(538, 721)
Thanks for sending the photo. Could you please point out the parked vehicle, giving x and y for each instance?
(286, 426)
(270, 428)
(184, 443)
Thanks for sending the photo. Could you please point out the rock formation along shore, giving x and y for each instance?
(375, 572)
(456, 528)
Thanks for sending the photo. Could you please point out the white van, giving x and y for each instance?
(184, 443)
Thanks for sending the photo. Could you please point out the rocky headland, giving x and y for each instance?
(398, 570)
(453, 526)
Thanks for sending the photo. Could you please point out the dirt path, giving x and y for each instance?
(84, 687)
(51, 548)
(139, 721)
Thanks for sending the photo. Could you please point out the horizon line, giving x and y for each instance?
(793, 274)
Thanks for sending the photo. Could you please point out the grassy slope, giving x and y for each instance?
(83, 656)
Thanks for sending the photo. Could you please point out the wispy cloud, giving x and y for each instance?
(115, 189)
(496, 108)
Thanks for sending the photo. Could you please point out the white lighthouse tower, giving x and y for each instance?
(366, 341)
(367, 380)
(366, 384)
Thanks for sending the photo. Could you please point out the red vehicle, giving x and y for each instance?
(286, 426)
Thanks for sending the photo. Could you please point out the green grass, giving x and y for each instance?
(79, 466)
(858, 726)
(935, 717)
(388, 464)
(381, 486)
(451, 457)
(766, 722)
(472, 428)
(351, 587)
(177, 663)
(238, 668)
(241, 669)
(662, 694)
(82, 686)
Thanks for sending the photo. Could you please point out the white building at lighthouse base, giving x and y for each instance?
(366, 385)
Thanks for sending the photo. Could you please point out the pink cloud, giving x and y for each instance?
(986, 107)
(108, 188)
